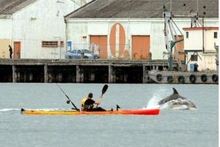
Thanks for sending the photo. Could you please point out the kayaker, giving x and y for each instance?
(88, 104)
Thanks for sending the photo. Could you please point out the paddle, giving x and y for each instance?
(69, 100)
(104, 89)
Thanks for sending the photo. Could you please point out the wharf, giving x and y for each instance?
(77, 71)
(98, 71)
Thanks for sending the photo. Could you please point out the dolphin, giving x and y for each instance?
(177, 101)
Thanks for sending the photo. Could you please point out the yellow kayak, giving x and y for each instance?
(74, 112)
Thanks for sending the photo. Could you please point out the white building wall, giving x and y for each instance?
(194, 41)
(209, 62)
(77, 29)
(5, 28)
(157, 40)
(210, 40)
(41, 21)
(76, 34)
(5, 35)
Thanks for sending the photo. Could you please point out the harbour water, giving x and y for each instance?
(172, 128)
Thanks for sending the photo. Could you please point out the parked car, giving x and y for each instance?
(81, 54)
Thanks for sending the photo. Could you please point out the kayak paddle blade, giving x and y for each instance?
(104, 89)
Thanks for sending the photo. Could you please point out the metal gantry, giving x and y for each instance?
(171, 31)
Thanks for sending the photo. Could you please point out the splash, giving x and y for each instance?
(9, 109)
(153, 103)
(157, 96)
(5, 110)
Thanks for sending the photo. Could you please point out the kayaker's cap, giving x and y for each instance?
(90, 95)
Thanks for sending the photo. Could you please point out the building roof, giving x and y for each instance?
(8, 7)
(144, 8)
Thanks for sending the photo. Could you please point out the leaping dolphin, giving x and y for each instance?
(177, 101)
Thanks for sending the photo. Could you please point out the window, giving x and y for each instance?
(194, 57)
(215, 34)
(53, 44)
(187, 34)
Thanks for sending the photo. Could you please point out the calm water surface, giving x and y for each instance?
(172, 128)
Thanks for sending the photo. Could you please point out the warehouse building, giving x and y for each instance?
(131, 29)
(34, 28)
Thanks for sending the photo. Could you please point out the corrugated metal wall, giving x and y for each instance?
(140, 47)
(179, 54)
(101, 42)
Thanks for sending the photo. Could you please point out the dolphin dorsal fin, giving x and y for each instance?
(175, 91)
